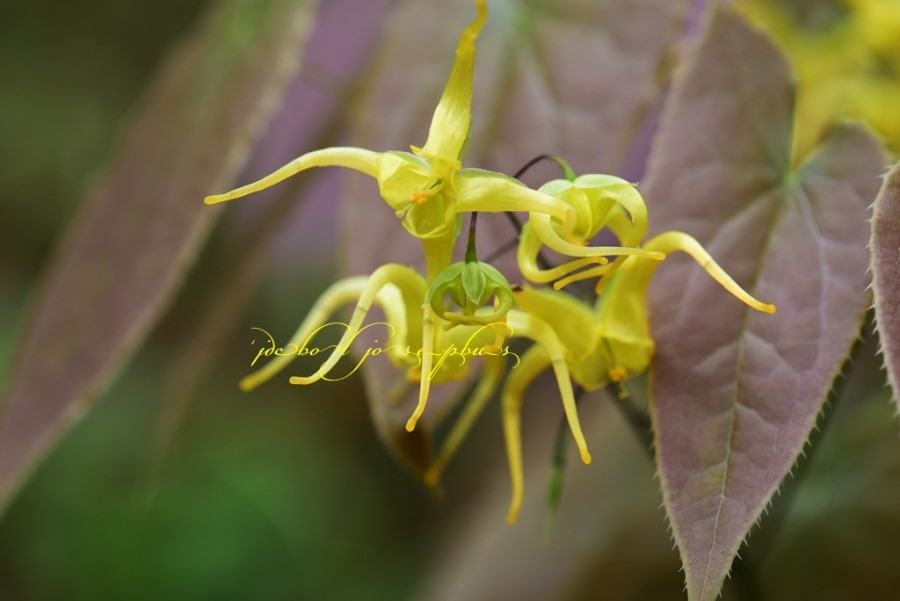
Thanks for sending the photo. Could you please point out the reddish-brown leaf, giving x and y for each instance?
(885, 249)
(735, 393)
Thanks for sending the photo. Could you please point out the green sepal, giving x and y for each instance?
(471, 285)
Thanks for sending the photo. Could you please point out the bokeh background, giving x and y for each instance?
(175, 485)
(286, 496)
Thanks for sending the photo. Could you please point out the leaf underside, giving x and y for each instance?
(885, 249)
(736, 393)
(143, 222)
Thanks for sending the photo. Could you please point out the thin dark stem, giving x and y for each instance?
(557, 469)
(515, 221)
(471, 254)
(567, 171)
(530, 164)
(638, 421)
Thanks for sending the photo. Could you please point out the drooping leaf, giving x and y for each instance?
(885, 249)
(736, 393)
(577, 78)
(142, 224)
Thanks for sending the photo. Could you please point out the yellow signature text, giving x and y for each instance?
(451, 353)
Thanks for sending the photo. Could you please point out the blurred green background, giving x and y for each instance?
(289, 494)
(284, 496)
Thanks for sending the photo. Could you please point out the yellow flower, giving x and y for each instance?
(415, 342)
(599, 202)
(428, 188)
(400, 291)
(608, 343)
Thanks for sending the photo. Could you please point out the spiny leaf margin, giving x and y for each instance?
(885, 250)
(735, 394)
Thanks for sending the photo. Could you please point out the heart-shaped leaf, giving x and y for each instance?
(736, 393)
(548, 79)
(142, 224)
(885, 248)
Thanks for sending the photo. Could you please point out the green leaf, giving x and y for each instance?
(735, 393)
(885, 249)
(576, 78)
(142, 224)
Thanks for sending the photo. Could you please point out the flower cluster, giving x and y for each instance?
(470, 303)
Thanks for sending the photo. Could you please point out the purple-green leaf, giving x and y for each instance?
(578, 78)
(142, 224)
(885, 248)
(735, 393)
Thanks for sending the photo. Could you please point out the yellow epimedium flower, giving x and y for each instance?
(600, 202)
(429, 349)
(428, 188)
(400, 291)
(471, 285)
(605, 344)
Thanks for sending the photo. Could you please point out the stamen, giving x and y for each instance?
(401, 213)
(617, 373)
(432, 187)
